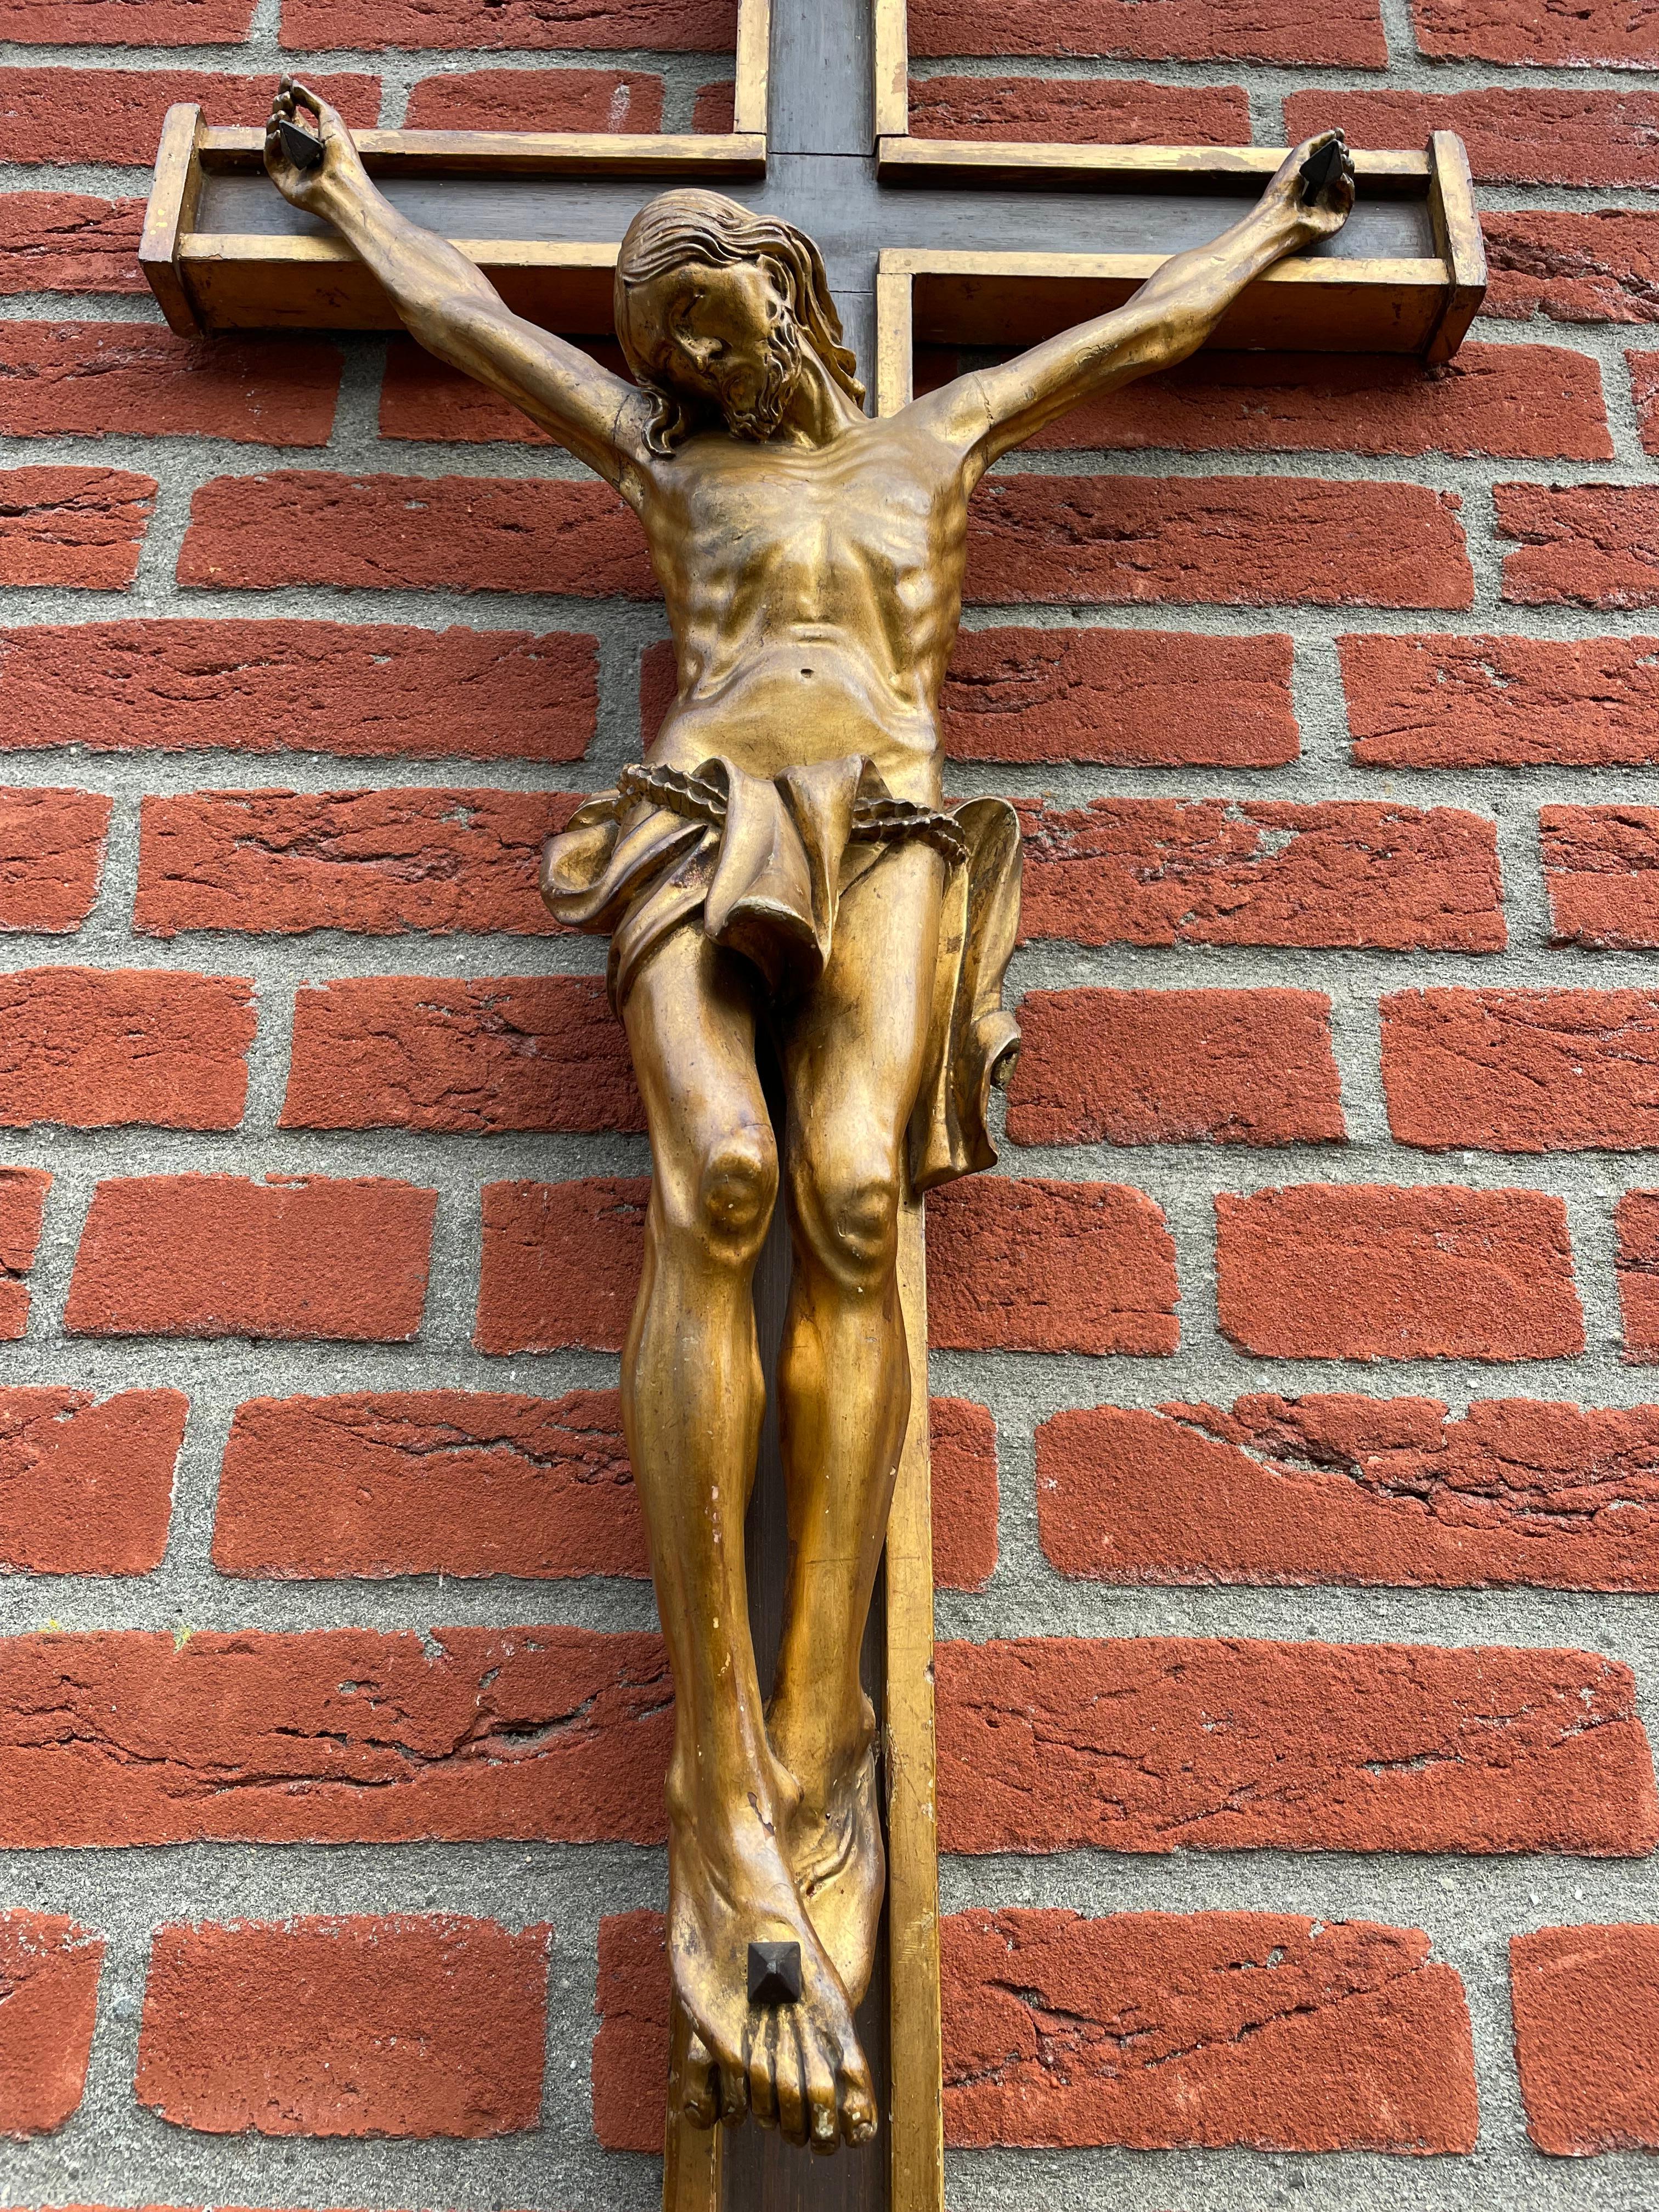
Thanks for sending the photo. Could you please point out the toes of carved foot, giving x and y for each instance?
(701, 2098)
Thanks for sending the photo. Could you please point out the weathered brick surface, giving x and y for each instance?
(366, 689)
(95, 1048)
(631, 2051)
(1138, 1068)
(338, 1736)
(115, 115)
(537, 99)
(1240, 541)
(1595, 268)
(1536, 134)
(86, 1488)
(1598, 34)
(223, 1255)
(1502, 701)
(1095, 110)
(1049, 1267)
(22, 1210)
(962, 1442)
(1588, 545)
(69, 242)
(51, 857)
(1329, 1270)
(1349, 1489)
(75, 527)
(1522, 1070)
(1160, 2030)
(1635, 1218)
(422, 397)
(407, 2024)
(1601, 872)
(130, 23)
(1531, 402)
(422, 533)
(478, 26)
(86, 379)
(1586, 2010)
(561, 1263)
(1154, 30)
(49, 1970)
(1271, 871)
(425, 1052)
(381, 862)
(1167, 1743)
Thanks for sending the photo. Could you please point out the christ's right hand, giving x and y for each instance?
(318, 189)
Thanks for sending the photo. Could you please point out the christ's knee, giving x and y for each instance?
(847, 1211)
(725, 1204)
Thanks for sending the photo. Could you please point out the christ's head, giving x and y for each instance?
(715, 308)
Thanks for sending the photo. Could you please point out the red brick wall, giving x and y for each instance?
(1296, 1448)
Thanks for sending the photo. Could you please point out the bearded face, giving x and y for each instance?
(759, 415)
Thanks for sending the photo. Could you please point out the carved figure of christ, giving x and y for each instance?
(778, 865)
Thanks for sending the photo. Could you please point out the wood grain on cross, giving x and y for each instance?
(926, 242)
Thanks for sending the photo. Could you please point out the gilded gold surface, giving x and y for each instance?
(781, 867)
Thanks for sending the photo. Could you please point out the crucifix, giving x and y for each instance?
(807, 941)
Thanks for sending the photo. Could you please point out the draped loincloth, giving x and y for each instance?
(761, 864)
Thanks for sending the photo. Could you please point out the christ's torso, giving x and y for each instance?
(813, 593)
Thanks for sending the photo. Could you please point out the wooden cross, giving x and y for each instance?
(822, 137)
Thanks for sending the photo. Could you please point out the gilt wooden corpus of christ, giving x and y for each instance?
(791, 901)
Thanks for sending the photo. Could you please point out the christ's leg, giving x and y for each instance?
(692, 1395)
(853, 1061)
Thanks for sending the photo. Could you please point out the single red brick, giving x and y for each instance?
(260, 687)
(478, 26)
(69, 242)
(22, 1210)
(100, 1047)
(428, 1052)
(1146, 1067)
(406, 2025)
(537, 100)
(1366, 1271)
(1163, 2031)
(129, 22)
(1274, 872)
(962, 1443)
(277, 862)
(1390, 1492)
(115, 115)
(631, 2051)
(1543, 136)
(49, 1970)
(1588, 545)
(1165, 1743)
(714, 108)
(1602, 871)
(1502, 701)
(52, 856)
(85, 1488)
(424, 533)
(1127, 698)
(1155, 30)
(1239, 541)
(1595, 33)
(223, 1255)
(86, 379)
(1636, 1218)
(428, 1482)
(79, 527)
(1597, 268)
(1645, 390)
(1090, 111)
(1522, 1070)
(1525, 402)
(1585, 2002)
(1025, 1266)
(422, 397)
(340, 1735)
(561, 1263)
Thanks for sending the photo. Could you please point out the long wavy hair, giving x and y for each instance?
(694, 226)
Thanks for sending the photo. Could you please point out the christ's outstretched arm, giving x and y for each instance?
(990, 411)
(452, 307)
